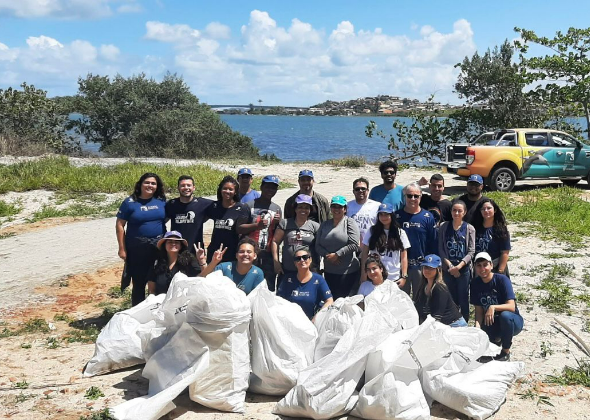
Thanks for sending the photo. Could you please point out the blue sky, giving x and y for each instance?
(285, 53)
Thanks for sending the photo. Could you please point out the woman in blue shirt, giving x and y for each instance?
(491, 234)
(306, 288)
(143, 214)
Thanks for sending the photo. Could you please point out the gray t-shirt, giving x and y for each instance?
(295, 236)
(343, 240)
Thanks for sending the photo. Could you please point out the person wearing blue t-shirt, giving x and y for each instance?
(245, 192)
(389, 189)
(140, 223)
(495, 305)
(420, 228)
(491, 234)
(243, 272)
(305, 288)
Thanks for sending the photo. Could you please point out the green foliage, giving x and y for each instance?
(8, 209)
(57, 174)
(75, 210)
(25, 346)
(30, 117)
(348, 161)
(22, 384)
(425, 137)
(565, 74)
(579, 375)
(93, 393)
(35, 325)
(546, 349)
(82, 333)
(138, 116)
(558, 295)
(103, 414)
(52, 343)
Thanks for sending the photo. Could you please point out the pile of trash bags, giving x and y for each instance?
(374, 363)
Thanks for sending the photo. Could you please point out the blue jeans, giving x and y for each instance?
(458, 323)
(506, 325)
(459, 288)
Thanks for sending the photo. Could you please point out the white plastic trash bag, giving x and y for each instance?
(392, 389)
(220, 313)
(173, 368)
(332, 322)
(326, 389)
(283, 341)
(396, 301)
(117, 345)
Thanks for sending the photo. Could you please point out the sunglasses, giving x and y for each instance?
(336, 206)
(388, 172)
(413, 195)
(302, 257)
(359, 189)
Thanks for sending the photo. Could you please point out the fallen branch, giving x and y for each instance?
(581, 343)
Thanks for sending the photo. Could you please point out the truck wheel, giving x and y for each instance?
(502, 179)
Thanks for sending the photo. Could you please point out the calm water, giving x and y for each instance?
(312, 138)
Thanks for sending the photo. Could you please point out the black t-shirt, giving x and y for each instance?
(441, 210)
(471, 206)
(224, 228)
(440, 305)
(164, 278)
(188, 218)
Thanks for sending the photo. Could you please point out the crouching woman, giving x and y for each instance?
(495, 305)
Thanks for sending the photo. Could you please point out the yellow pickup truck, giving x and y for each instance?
(527, 153)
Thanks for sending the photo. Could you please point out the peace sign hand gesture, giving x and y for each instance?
(218, 255)
(201, 254)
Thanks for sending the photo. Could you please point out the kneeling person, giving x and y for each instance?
(243, 272)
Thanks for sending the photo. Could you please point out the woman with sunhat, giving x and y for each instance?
(337, 242)
(388, 240)
(433, 297)
(173, 257)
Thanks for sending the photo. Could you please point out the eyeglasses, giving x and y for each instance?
(388, 172)
(299, 258)
(360, 189)
(413, 195)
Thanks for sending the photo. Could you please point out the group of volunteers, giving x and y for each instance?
(444, 255)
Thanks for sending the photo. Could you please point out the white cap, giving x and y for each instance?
(483, 256)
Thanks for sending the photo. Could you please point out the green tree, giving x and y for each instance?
(30, 118)
(138, 116)
(565, 74)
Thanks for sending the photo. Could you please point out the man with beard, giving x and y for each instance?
(264, 218)
(389, 191)
(362, 209)
(245, 192)
(474, 195)
(434, 203)
(320, 209)
(187, 212)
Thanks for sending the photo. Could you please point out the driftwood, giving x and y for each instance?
(581, 343)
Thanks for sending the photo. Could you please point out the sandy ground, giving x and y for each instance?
(35, 261)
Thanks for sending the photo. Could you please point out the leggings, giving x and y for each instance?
(341, 284)
(459, 288)
(141, 256)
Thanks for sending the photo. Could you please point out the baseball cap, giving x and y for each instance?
(475, 178)
(483, 256)
(303, 199)
(432, 261)
(306, 172)
(173, 235)
(271, 179)
(385, 208)
(245, 171)
(338, 200)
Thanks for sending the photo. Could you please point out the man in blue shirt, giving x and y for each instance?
(246, 193)
(420, 227)
(389, 191)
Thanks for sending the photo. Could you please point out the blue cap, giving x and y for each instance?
(475, 178)
(385, 208)
(271, 179)
(306, 172)
(432, 261)
(245, 171)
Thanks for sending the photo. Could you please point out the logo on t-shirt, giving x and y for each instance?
(181, 219)
(226, 224)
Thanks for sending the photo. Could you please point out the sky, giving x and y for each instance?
(283, 53)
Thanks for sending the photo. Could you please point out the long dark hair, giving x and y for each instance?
(500, 231)
(183, 261)
(159, 188)
(382, 243)
(376, 258)
(224, 181)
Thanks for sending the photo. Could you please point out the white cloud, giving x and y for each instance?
(67, 9)
(109, 52)
(217, 30)
(164, 32)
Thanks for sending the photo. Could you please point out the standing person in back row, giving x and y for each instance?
(420, 228)
(320, 209)
(434, 203)
(389, 191)
(264, 218)
(362, 209)
(245, 192)
(474, 195)
(187, 212)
